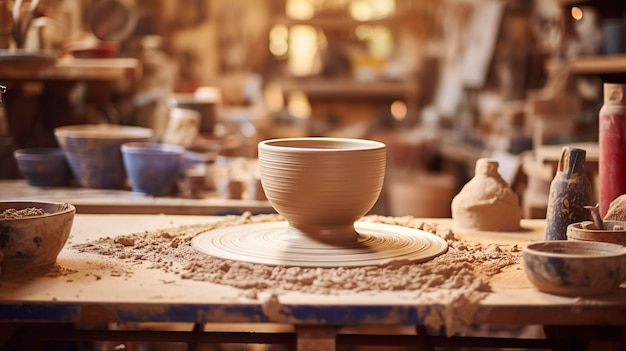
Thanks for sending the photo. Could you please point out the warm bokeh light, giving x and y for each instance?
(398, 110)
(274, 98)
(303, 50)
(577, 13)
(300, 9)
(279, 36)
(381, 43)
(301, 44)
(364, 32)
(367, 10)
(298, 105)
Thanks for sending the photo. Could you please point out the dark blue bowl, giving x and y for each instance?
(43, 166)
(152, 167)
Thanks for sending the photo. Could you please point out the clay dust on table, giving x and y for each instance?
(457, 279)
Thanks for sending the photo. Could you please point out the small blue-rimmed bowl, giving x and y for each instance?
(575, 268)
(43, 166)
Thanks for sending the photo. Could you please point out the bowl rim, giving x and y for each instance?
(578, 226)
(609, 250)
(150, 147)
(102, 131)
(35, 153)
(354, 144)
(69, 208)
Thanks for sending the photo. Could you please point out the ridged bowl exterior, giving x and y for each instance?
(322, 184)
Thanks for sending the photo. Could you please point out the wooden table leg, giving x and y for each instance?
(7, 330)
(197, 328)
(316, 338)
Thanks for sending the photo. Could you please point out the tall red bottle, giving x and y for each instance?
(612, 143)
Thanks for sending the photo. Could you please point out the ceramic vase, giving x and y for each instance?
(570, 192)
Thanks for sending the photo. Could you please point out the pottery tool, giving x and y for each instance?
(595, 216)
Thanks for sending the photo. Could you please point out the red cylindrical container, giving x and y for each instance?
(612, 143)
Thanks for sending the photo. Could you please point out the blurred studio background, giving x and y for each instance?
(441, 82)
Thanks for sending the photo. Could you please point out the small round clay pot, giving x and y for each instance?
(575, 268)
(612, 232)
(33, 242)
(321, 186)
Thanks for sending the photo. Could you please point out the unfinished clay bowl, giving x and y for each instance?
(321, 186)
(575, 268)
(612, 232)
(31, 240)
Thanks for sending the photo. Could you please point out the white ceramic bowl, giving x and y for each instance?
(321, 186)
(575, 268)
(33, 242)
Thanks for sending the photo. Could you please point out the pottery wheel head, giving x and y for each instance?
(273, 243)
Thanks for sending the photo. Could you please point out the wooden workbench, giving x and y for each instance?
(109, 201)
(92, 294)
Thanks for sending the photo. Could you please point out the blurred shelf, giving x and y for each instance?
(76, 69)
(342, 22)
(597, 64)
(340, 88)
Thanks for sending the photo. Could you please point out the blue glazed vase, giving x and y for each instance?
(570, 192)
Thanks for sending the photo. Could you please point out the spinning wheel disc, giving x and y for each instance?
(272, 243)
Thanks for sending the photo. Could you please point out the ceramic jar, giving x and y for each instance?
(570, 192)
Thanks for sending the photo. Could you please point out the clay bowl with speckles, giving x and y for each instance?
(32, 233)
(575, 268)
(93, 152)
(321, 186)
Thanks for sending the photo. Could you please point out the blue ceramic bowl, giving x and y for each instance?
(43, 166)
(575, 268)
(93, 152)
(152, 167)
